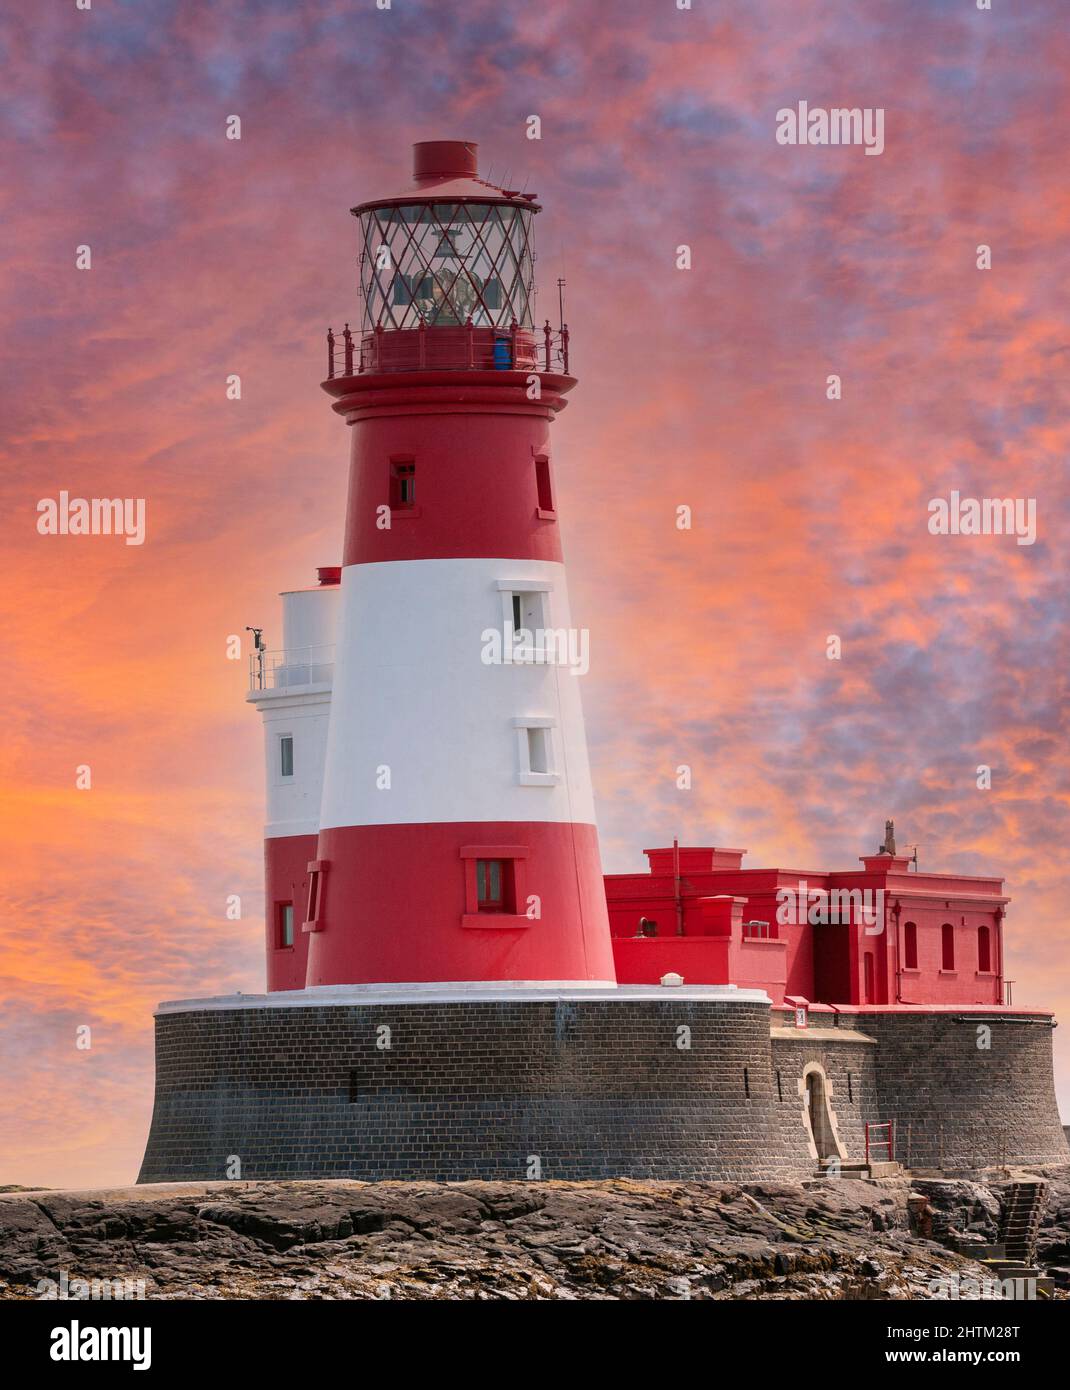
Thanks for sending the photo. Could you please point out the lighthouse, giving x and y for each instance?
(442, 826)
(445, 1000)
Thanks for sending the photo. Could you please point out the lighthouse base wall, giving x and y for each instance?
(644, 1084)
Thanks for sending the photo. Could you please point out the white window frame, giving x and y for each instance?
(538, 591)
(525, 776)
(284, 777)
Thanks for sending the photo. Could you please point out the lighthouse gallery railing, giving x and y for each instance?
(278, 670)
(448, 348)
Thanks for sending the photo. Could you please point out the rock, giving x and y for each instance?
(499, 1241)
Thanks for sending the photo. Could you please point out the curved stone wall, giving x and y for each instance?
(963, 1097)
(585, 1088)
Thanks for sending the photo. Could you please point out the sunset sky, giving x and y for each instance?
(704, 387)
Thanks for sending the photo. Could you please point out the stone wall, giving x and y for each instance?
(588, 1088)
(850, 1079)
(958, 1105)
(953, 1104)
(591, 1089)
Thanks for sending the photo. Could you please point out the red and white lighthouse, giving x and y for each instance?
(456, 835)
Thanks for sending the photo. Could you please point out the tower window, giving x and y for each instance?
(525, 611)
(538, 754)
(494, 886)
(286, 755)
(402, 484)
(910, 946)
(947, 946)
(535, 751)
(285, 924)
(489, 884)
(544, 485)
(984, 950)
(314, 912)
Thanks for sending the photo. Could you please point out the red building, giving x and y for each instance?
(882, 934)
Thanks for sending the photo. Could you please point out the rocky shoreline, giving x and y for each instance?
(623, 1239)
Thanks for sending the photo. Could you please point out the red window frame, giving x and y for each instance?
(544, 486)
(317, 869)
(984, 950)
(947, 947)
(910, 946)
(281, 944)
(402, 483)
(507, 908)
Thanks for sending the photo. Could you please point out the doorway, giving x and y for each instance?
(819, 1117)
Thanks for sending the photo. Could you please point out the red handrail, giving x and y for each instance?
(888, 1143)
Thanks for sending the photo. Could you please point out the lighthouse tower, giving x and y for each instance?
(456, 833)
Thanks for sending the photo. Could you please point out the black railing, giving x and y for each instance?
(448, 348)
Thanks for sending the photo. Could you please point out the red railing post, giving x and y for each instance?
(513, 330)
(867, 1143)
(469, 340)
(422, 340)
(348, 339)
(891, 1141)
(377, 366)
(546, 336)
(330, 354)
(564, 345)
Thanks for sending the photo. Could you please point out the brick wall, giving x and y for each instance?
(959, 1105)
(593, 1089)
(954, 1105)
(850, 1071)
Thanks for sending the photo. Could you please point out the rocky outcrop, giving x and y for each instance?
(488, 1240)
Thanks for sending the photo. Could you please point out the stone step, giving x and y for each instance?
(860, 1170)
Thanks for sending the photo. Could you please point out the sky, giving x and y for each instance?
(705, 387)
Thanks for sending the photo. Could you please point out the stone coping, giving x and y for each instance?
(346, 996)
(821, 1035)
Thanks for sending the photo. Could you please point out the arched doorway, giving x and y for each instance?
(818, 1115)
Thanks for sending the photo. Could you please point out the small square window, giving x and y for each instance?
(286, 755)
(544, 486)
(402, 484)
(535, 750)
(494, 886)
(528, 612)
(538, 754)
(285, 920)
(525, 614)
(490, 884)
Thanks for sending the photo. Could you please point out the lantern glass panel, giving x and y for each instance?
(441, 264)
